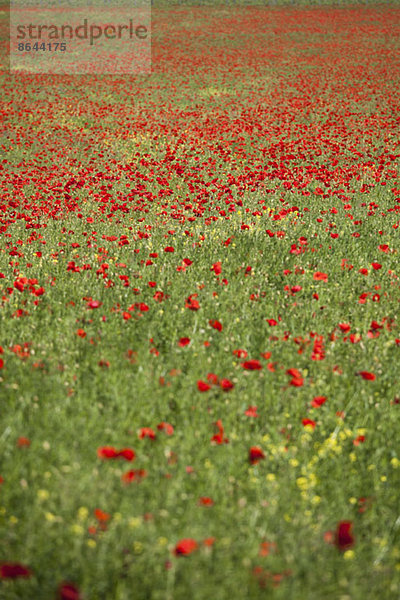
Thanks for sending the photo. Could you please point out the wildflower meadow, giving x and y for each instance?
(199, 333)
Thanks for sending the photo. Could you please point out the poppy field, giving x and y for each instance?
(199, 333)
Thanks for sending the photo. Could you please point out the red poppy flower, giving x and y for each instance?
(202, 386)
(105, 364)
(359, 440)
(251, 411)
(216, 268)
(191, 303)
(169, 249)
(376, 266)
(94, 304)
(240, 353)
(205, 501)
(185, 547)
(108, 452)
(126, 453)
(252, 365)
(318, 352)
(209, 541)
(147, 432)
(308, 422)
(167, 427)
(215, 325)
(39, 292)
(255, 455)
(293, 372)
(272, 322)
(68, 591)
(297, 379)
(318, 401)
(20, 283)
(219, 438)
(101, 516)
(13, 571)
(266, 548)
(344, 538)
(318, 276)
(184, 341)
(355, 338)
(367, 375)
(226, 385)
(345, 327)
(212, 378)
(23, 441)
(329, 537)
(134, 475)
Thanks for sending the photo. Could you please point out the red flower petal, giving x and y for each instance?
(255, 455)
(212, 378)
(147, 432)
(205, 501)
(185, 547)
(14, 570)
(367, 375)
(252, 365)
(107, 452)
(344, 538)
(94, 304)
(294, 373)
(68, 591)
(226, 385)
(318, 276)
(240, 353)
(251, 411)
(202, 386)
(127, 453)
(318, 401)
(134, 475)
(215, 324)
(101, 516)
(167, 427)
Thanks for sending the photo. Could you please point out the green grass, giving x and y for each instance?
(70, 394)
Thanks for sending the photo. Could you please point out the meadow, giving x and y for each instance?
(199, 341)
